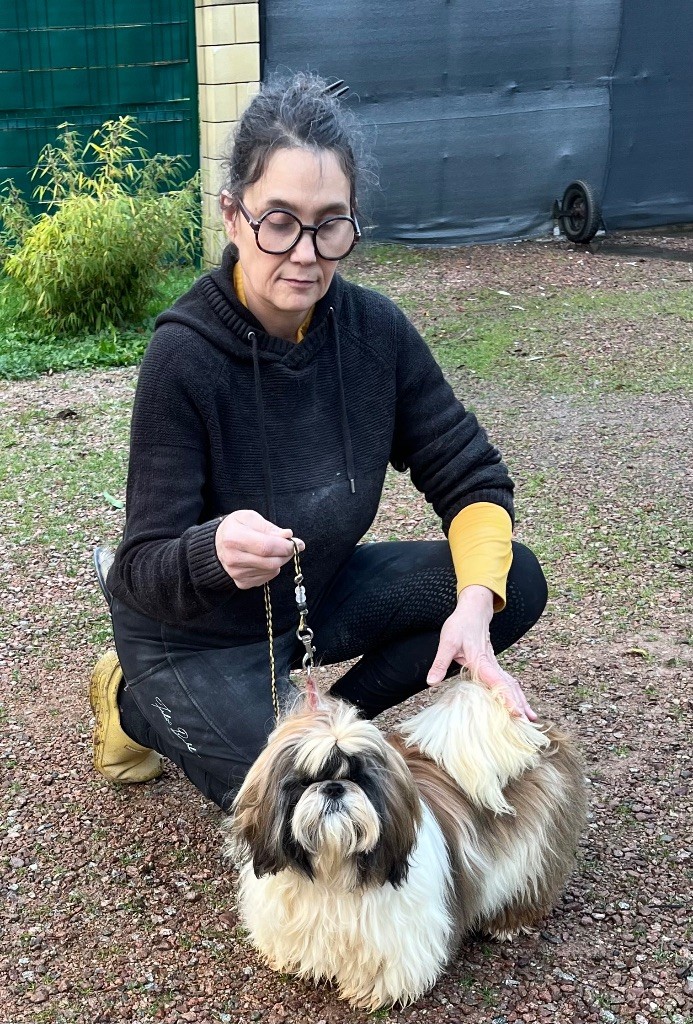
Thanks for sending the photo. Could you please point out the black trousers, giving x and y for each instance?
(209, 708)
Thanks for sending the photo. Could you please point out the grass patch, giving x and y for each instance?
(555, 339)
(54, 475)
(575, 342)
(586, 550)
(28, 347)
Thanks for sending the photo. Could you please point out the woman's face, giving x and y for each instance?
(280, 290)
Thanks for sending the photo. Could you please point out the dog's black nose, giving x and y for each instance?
(332, 790)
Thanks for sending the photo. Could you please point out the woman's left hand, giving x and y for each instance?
(465, 639)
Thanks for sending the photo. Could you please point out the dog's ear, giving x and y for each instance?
(397, 803)
(260, 826)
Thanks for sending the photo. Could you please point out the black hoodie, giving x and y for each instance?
(227, 417)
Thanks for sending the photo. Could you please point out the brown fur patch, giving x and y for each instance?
(549, 801)
(451, 808)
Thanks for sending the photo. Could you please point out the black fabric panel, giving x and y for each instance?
(481, 112)
(650, 178)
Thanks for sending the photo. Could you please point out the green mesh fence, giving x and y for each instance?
(86, 61)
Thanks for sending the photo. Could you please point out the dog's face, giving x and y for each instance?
(330, 798)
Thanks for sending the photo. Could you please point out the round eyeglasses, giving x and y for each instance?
(278, 231)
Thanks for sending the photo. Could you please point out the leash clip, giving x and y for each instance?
(304, 632)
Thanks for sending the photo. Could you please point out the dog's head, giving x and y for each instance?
(330, 798)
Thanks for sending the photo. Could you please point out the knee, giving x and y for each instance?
(527, 578)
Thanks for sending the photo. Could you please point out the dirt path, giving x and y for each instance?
(116, 905)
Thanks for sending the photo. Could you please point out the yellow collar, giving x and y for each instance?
(240, 294)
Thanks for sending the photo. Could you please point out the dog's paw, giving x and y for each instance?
(510, 934)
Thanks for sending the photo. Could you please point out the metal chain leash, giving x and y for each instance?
(304, 632)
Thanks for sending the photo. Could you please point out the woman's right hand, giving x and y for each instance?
(251, 549)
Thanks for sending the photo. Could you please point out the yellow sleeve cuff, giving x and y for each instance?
(480, 539)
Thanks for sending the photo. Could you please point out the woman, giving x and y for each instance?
(270, 402)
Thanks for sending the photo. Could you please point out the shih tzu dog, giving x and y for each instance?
(364, 859)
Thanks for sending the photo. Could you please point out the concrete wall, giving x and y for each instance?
(228, 71)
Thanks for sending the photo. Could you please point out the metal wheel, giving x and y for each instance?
(579, 215)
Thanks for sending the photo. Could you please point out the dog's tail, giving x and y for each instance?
(471, 734)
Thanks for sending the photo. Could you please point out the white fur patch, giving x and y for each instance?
(379, 945)
(470, 733)
(343, 729)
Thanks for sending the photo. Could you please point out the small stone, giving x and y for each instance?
(608, 1017)
(39, 995)
(688, 986)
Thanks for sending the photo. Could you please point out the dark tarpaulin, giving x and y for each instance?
(482, 111)
(650, 174)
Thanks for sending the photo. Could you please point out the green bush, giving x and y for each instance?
(113, 223)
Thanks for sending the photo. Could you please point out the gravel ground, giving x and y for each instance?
(116, 904)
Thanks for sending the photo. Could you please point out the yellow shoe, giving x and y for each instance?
(116, 756)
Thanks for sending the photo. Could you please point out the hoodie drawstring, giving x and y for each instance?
(346, 433)
(260, 405)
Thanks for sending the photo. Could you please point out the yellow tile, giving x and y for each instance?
(215, 138)
(214, 3)
(215, 26)
(218, 102)
(232, 63)
(212, 174)
(247, 23)
(213, 243)
(244, 94)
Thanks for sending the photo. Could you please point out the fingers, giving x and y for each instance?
(446, 653)
(465, 639)
(251, 549)
(489, 672)
(250, 532)
(254, 546)
(246, 581)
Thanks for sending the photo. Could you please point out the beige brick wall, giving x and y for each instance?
(228, 73)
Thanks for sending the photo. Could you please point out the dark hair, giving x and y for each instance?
(301, 112)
